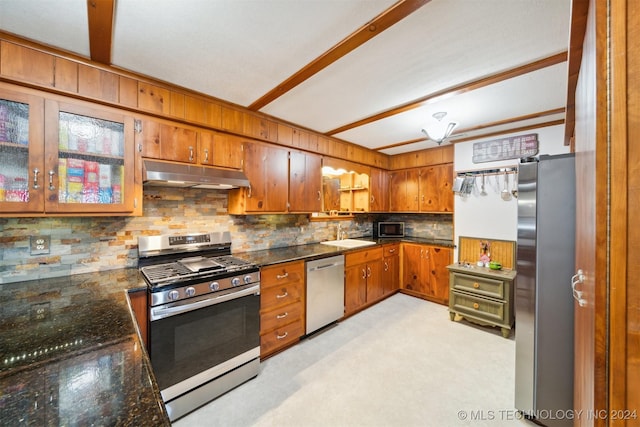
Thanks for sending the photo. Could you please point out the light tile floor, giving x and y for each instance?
(402, 362)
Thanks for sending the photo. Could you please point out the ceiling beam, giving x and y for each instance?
(511, 120)
(386, 19)
(457, 90)
(100, 13)
(579, 13)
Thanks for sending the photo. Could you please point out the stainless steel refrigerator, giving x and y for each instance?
(544, 302)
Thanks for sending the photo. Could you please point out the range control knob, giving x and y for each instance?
(173, 295)
(190, 291)
(214, 286)
(247, 278)
(235, 281)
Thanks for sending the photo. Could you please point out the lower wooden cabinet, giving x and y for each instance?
(282, 306)
(363, 278)
(138, 301)
(482, 296)
(424, 271)
(390, 268)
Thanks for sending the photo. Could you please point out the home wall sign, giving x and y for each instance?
(514, 147)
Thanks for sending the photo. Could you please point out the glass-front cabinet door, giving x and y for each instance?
(89, 159)
(21, 152)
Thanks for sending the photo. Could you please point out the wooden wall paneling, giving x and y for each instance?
(323, 145)
(128, 92)
(213, 115)
(66, 75)
(177, 105)
(632, 168)
(285, 135)
(96, 83)
(232, 120)
(338, 149)
(257, 127)
(428, 157)
(503, 251)
(303, 139)
(313, 142)
(447, 154)
(25, 64)
(154, 98)
(195, 109)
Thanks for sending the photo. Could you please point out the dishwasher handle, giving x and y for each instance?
(322, 267)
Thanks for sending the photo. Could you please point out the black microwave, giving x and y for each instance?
(385, 229)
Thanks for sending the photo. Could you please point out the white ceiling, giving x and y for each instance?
(239, 50)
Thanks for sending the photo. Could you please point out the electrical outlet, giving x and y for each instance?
(39, 245)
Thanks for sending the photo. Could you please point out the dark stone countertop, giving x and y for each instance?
(71, 354)
(313, 251)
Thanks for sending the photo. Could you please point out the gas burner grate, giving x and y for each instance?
(158, 273)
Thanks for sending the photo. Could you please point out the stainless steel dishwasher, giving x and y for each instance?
(325, 292)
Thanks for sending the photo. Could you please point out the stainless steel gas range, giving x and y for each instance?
(204, 317)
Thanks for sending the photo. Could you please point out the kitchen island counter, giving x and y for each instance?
(71, 354)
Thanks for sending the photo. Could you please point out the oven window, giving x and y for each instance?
(184, 345)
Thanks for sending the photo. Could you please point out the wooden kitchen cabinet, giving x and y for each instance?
(165, 140)
(267, 168)
(363, 279)
(139, 305)
(305, 182)
(282, 306)
(435, 188)
(63, 156)
(425, 271)
(427, 189)
(482, 296)
(220, 149)
(379, 190)
(390, 268)
(403, 190)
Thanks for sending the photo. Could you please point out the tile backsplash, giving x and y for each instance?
(92, 244)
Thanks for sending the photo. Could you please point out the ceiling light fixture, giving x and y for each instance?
(437, 130)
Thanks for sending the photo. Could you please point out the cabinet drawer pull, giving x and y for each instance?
(206, 155)
(476, 285)
(282, 316)
(391, 251)
(191, 154)
(282, 276)
(319, 195)
(476, 305)
(386, 266)
(280, 296)
(368, 271)
(280, 337)
(364, 274)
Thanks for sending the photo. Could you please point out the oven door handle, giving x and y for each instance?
(158, 313)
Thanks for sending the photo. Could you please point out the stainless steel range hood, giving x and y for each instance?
(180, 175)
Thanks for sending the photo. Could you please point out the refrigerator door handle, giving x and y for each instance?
(576, 279)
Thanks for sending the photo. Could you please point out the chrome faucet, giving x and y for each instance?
(341, 233)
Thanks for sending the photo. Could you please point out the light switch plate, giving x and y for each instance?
(39, 245)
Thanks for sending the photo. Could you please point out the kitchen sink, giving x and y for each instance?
(348, 243)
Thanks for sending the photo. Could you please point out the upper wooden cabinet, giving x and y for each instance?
(305, 182)
(267, 167)
(379, 190)
(220, 149)
(166, 140)
(64, 156)
(425, 189)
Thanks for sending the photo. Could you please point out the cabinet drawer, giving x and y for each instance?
(390, 250)
(282, 274)
(362, 257)
(279, 296)
(481, 308)
(479, 285)
(280, 337)
(281, 316)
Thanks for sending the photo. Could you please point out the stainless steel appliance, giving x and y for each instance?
(325, 292)
(388, 229)
(204, 317)
(544, 301)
